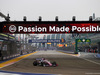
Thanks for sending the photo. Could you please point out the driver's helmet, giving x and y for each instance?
(43, 58)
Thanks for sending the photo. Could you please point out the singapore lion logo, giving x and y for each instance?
(12, 28)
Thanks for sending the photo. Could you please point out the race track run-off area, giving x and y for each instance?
(68, 64)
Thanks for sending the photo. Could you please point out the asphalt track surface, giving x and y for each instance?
(67, 64)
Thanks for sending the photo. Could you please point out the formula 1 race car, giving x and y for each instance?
(44, 62)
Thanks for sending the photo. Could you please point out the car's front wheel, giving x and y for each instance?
(43, 64)
(54, 64)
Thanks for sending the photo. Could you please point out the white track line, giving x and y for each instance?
(86, 59)
(2, 73)
(91, 61)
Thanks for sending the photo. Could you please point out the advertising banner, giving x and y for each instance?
(51, 27)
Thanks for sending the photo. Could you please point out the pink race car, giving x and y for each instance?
(44, 62)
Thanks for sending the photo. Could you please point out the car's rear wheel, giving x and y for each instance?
(35, 63)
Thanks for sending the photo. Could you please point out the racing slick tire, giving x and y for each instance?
(43, 64)
(35, 63)
(54, 64)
